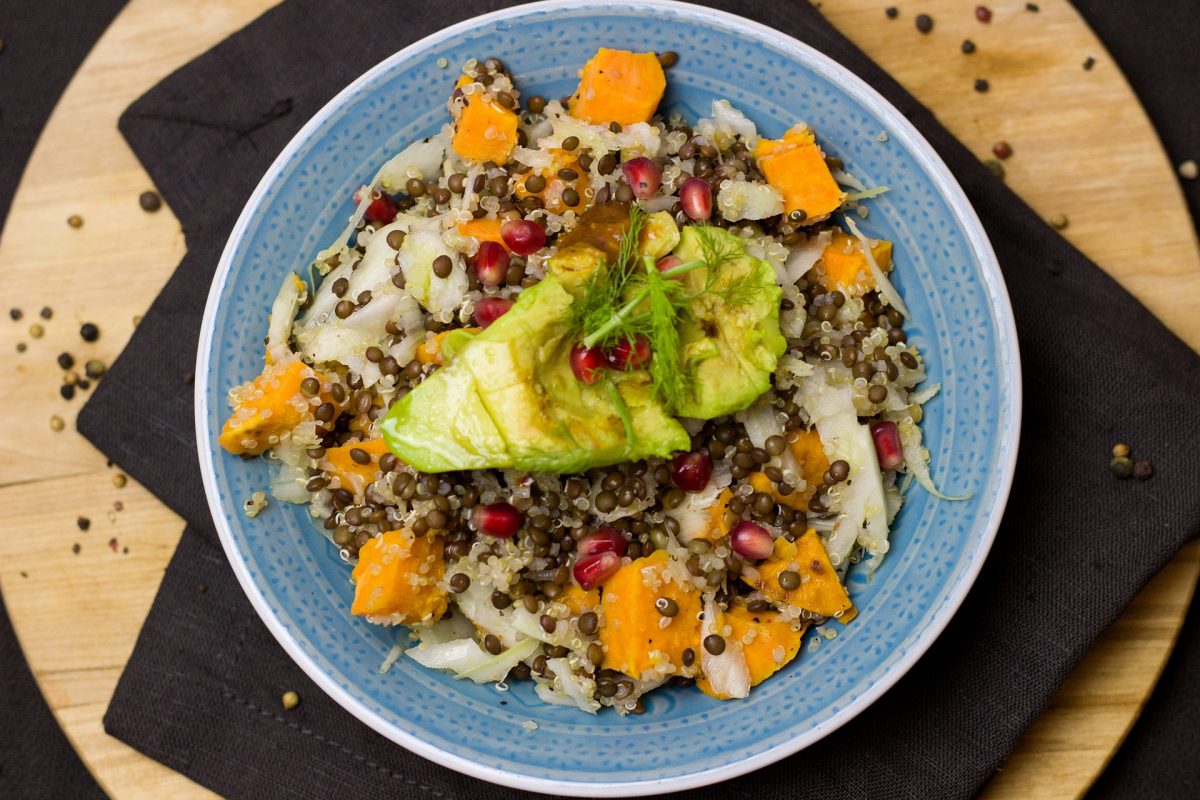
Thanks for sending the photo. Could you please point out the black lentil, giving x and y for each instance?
(714, 643)
(150, 201)
(460, 582)
(924, 23)
(442, 266)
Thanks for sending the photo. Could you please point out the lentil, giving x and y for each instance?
(789, 580)
(968, 47)
(442, 266)
(714, 643)
(460, 582)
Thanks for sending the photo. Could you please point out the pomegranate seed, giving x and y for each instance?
(490, 309)
(887, 444)
(1002, 150)
(751, 541)
(491, 262)
(593, 570)
(587, 363)
(500, 520)
(643, 176)
(382, 209)
(691, 471)
(983, 13)
(523, 236)
(695, 198)
(629, 354)
(601, 540)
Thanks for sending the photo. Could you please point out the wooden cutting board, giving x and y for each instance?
(1082, 148)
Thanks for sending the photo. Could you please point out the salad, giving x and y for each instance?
(590, 395)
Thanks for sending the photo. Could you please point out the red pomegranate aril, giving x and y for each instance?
(692, 471)
(602, 540)
(382, 209)
(888, 449)
(587, 363)
(751, 541)
(491, 262)
(592, 570)
(499, 520)
(629, 354)
(643, 176)
(490, 309)
(695, 198)
(523, 236)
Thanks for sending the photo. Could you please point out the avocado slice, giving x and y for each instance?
(510, 400)
(729, 345)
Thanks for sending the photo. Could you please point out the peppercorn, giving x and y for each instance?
(1121, 467)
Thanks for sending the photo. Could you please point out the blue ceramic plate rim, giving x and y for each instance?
(972, 229)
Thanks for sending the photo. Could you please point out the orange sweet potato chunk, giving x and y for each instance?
(762, 483)
(396, 578)
(578, 599)
(819, 591)
(484, 229)
(843, 265)
(773, 644)
(809, 453)
(551, 193)
(631, 635)
(796, 167)
(268, 407)
(618, 86)
(485, 131)
(352, 475)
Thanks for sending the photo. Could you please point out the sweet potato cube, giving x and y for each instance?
(819, 591)
(485, 131)
(618, 86)
(353, 476)
(773, 643)
(268, 407)
(396, 579)
(843, 265)
(633, 636)
(796, 167)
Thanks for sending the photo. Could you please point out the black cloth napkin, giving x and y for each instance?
(201, 692)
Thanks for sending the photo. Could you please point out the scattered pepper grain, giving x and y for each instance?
(150, 201)
(36, 331)
(56, 423)
(89, 331)
(924, 23)
(892, 12)
(1121, 467)
(1059, 222)
(66, 360)
(83, 522)
(119, 480)
(1088, 63)
(1120, 450)
(968, 47)
(290, 700)
(995, 167)
(1002, 150)
(983, 14)
(15, 314)
(982, 85)
(75, 548)
(1189, 170)
(1142, 469)
(46, 313)
(75, 221)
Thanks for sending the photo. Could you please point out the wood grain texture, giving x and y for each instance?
(1082, 147)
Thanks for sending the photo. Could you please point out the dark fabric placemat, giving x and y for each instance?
(201, 692)
(42, 46)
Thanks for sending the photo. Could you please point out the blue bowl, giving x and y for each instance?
(961, 319)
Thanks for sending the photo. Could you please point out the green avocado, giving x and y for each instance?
(728, 341)
(509, 399)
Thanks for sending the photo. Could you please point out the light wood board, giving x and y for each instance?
(1083, 147)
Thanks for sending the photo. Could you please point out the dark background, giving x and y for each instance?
(1156, 44)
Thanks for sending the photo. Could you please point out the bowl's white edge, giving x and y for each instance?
(955, 198)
